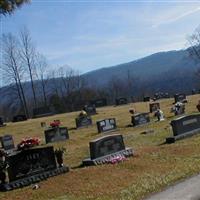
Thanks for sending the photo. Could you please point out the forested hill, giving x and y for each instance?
(150, 67)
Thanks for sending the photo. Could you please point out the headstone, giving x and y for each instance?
(42, 112)
(180, 98)
(7, 142)
(160, 115)
(178, 109)
(194, 91)
(184, 127)
(2, 122)
(140, 119)
(104, 149)
(121, 101)
(56, 134)
(90, 109)
(83, 121)
(146, 99)
(19, 118)
(153, 107)
(99, 102)
(106, 125)
(30, 166)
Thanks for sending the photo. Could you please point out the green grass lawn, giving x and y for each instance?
(153, 167)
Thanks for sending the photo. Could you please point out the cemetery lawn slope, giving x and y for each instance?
(154, 166)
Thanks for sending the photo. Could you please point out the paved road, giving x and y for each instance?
(186, 190)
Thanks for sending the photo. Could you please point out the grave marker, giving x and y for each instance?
(42, 112)
(90, 109)
(83, 121)
(104, 149)
(180, 98)
(7, 142)
(31, 166)
(184, 127)
(106, 125)
(153, 107)
(120, 101)
(140, 119)
(146, 99)
(19, 118)
(56, 134)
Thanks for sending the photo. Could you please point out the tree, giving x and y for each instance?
(194, 42)
(12, 67)
(42, 75)
(28, 55)
(8, 6)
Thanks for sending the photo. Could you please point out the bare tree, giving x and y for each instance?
(28, 55)
(194, 42)
(12, 68)
(42, 75)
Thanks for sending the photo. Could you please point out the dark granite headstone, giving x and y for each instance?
(2, 122)
(83, 121)
(19, 118)
(56, 134)
(90, 109)
(153, 107)
(184, 127)
(140, 119)
(146, 99)
(99, 102)
(106, 125)
(42, 112)
(105, 148)
(180, 98)
(31, 166)
(121, 101)
(7, 142)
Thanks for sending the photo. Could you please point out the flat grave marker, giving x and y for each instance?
(90, 109)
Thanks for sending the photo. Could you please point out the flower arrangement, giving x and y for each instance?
(117, 159)
(55, 123)
(28, 143)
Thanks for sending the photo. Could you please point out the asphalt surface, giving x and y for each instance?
(186, 190)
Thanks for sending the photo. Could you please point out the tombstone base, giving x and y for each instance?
(32, 179)
(105, 159)
(182, 136)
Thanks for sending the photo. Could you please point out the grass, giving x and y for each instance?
(153, 167)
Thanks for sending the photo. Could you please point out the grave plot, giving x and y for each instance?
(140, 119)
(107, 149)
(30, 166)
(106, 125)
(183, 127)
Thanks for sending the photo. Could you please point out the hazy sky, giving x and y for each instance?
(87, 35)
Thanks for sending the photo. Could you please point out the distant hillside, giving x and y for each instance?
(173, 62)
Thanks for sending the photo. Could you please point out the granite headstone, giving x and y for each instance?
(106, 125)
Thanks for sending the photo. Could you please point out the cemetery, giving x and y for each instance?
(101, 164)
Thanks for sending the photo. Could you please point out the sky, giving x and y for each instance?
(87, 35)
